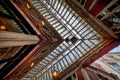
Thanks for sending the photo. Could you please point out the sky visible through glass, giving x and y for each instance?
(116, 49)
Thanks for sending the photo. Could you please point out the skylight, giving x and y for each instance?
(79, 37)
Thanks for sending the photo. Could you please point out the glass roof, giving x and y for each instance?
(79, 38)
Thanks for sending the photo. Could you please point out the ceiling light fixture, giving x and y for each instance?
(32, 64)
(3, 27)
(55, 74)
(42, 22)
(28, 6)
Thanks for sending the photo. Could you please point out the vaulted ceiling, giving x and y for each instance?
(68, 35)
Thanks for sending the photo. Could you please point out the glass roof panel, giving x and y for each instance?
(79, 36)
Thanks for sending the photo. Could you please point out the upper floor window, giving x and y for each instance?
(114, 58)
(115, 66)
